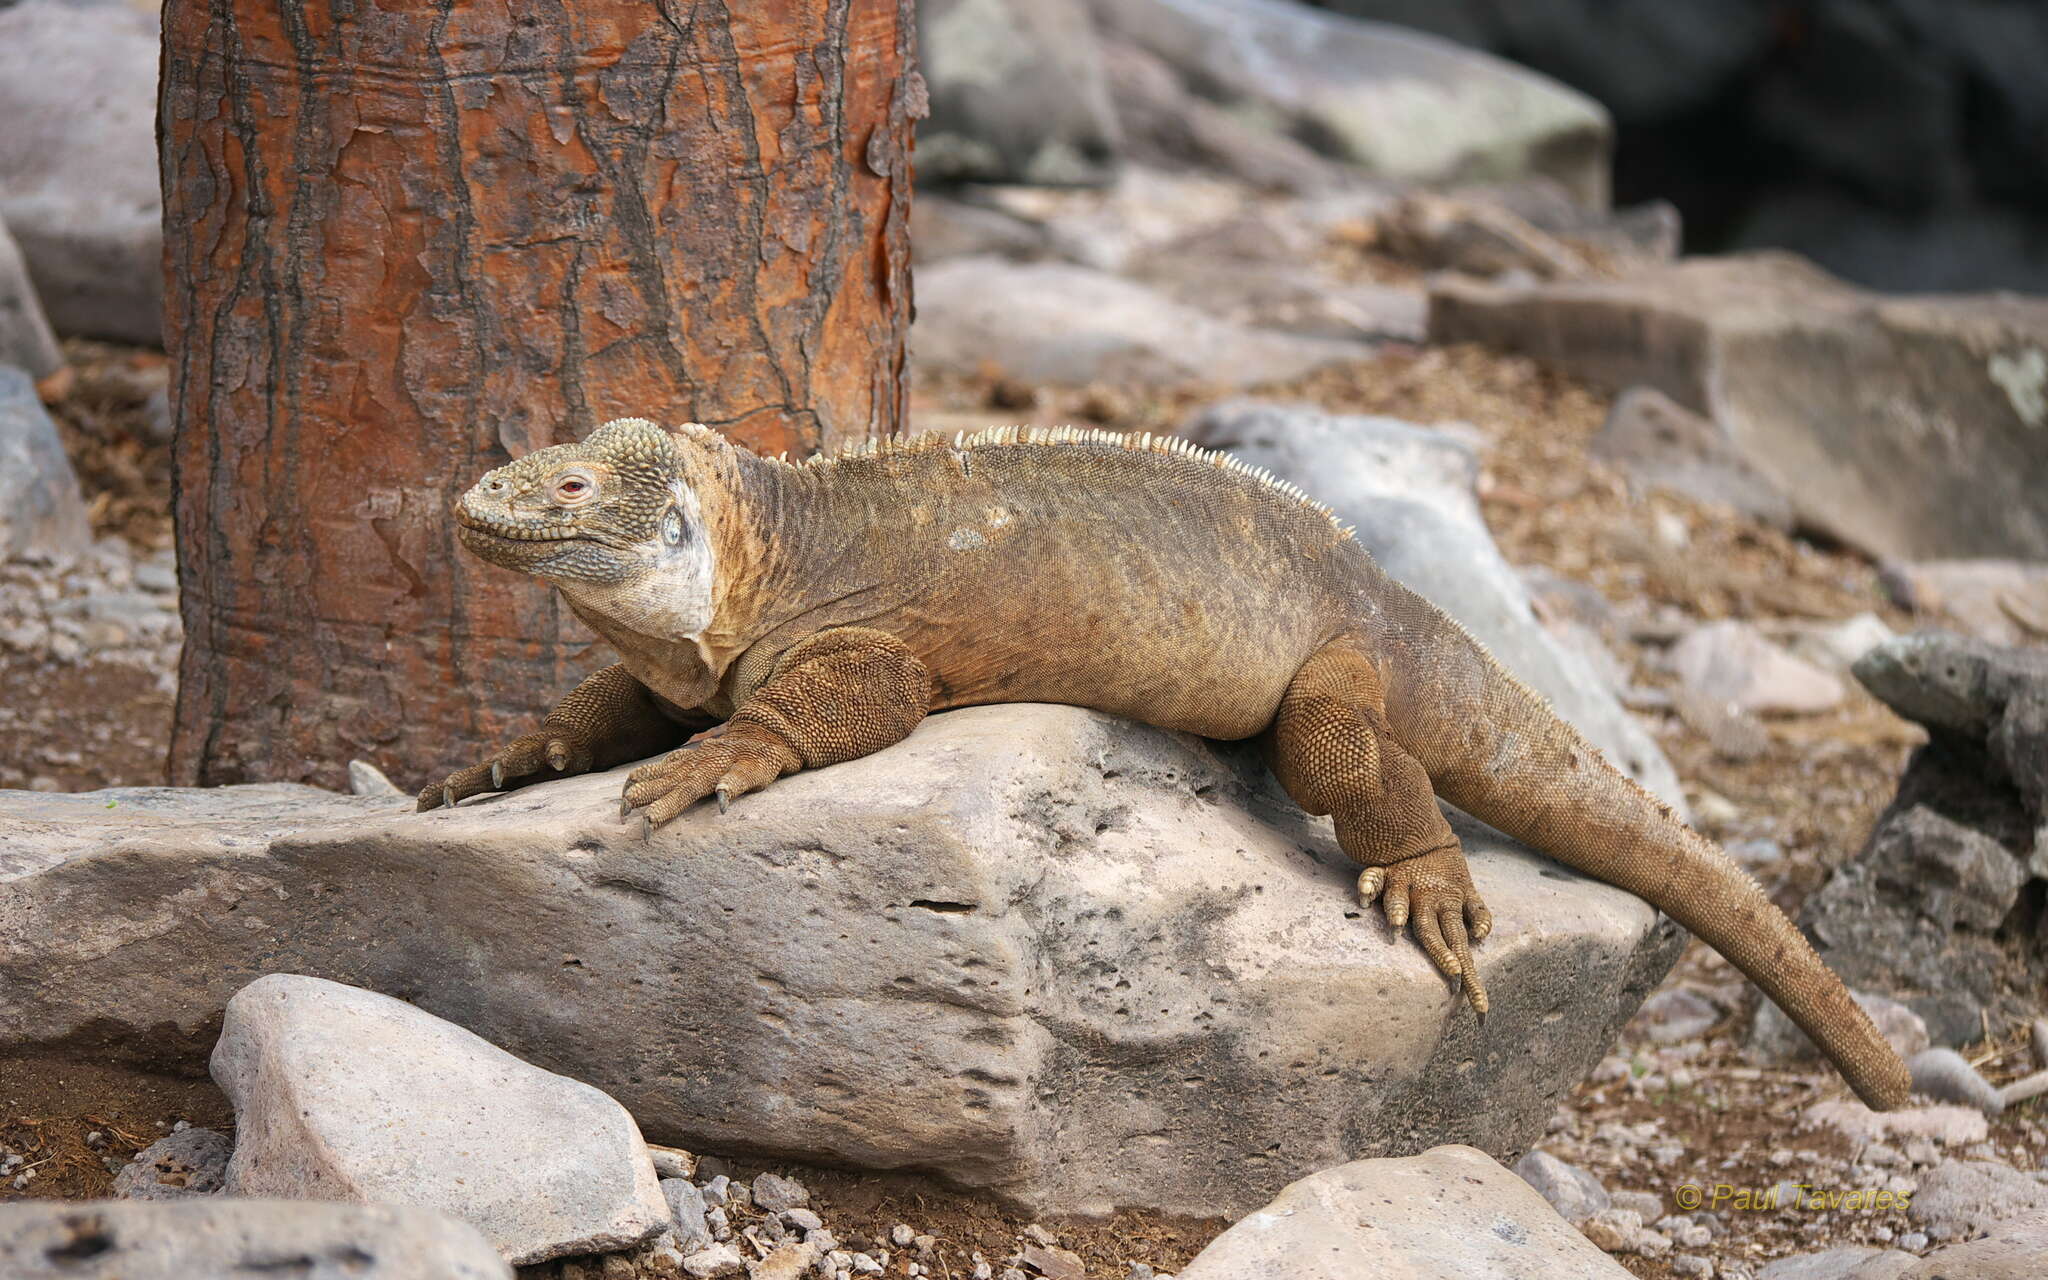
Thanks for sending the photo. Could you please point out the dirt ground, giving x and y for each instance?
(1808, 786)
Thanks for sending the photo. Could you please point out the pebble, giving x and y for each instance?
(1692, 1266)
(863, 1265)
(983, 1271)
(901, 1235)
(1913, 1241)
(803, 1218)
(718, 1260)
(773, 1194)
(716, 1191)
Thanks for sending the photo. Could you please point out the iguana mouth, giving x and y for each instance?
(514, 532)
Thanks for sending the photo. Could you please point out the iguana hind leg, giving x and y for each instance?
(839, 695)
(1333, 751)
(607, 720)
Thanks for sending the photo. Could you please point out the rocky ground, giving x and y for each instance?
(1678, 1106)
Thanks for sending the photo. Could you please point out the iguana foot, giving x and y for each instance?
(730, 760)
(1434, 890)
(556, 753)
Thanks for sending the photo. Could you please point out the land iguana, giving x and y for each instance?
(804, 614)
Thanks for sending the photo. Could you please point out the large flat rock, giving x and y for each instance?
(1040, 950)
(1910, 427)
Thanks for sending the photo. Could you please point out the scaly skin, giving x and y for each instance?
(817, 612)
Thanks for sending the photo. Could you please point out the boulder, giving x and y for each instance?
(1399, 104)
(1657, 443)
(1059, 322)
(1907, 426)
(344, 1094)
(78, 164)
(42, 515)
(1017, 93)
(1409, 492)
(1035, 949)
(1447, 1214)
(219, 1239)
(25, 338)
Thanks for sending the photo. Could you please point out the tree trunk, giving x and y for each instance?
(405, 243)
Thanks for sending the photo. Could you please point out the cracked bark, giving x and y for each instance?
(404, 244)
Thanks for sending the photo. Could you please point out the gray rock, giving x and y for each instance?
(773, 1194)
(78, 164)
(1731, 664)
(1057, 322)
(25, 338)
(1657, 443)
(190, 1162)
(1850, 402)
(1965, 1198)
(1056, 915)
(1409, 492)
(1166, 125)
(222, 1239)
(1399, 104)
(943, 227)
(1017, 93)
(1844, 1262)
(2016, 1250)
(366, 779)
(686, 1205)
(1450, 1211)
(1575, 1194)
(718, 1260)
(2004, 602)
(344, 1094)
(1959, 875)
(1677, 1014)
(42, 516)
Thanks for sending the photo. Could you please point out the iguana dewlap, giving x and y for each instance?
(806, 614)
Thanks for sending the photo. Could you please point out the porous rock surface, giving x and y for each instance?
(345, 1094)
(1036, 949)
(1447, 1214)
(221, 1239)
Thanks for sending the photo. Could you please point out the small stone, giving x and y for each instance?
(1012, 1273)
(1039, 1235)
(686, 1205)
(924, 1244)
(190, 1162)
(1645, 1204)
(1576, 1194)
(773, 1194)
(1731, 664)
(1650, 1244)
(1139, 1271)
(1612, 1230)
(804, 1219)
(718, 1260)
(1692, 1266)
(720, 1224)
(1054, 1263)
(715, 1191)
(983, 1271)
(1913, 1241)
(901, 1235)
(863, 1265)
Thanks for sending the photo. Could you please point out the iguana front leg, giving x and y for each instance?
(607, 720)
(1334, 752)
(839, 695)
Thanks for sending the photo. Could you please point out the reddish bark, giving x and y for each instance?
(404, 243)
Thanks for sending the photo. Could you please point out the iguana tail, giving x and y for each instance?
(1495, 749)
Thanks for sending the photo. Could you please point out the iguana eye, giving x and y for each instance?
(574, 489)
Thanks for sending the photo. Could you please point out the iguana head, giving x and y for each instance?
(610, 520)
